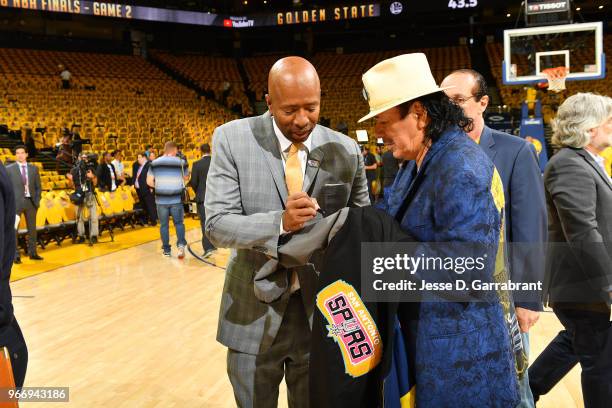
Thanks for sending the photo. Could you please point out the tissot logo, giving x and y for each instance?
(550, 6)
(396, 7)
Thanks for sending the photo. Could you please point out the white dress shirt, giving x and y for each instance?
(285, 145)
(599, 160)
(118, 167)
(112, 174)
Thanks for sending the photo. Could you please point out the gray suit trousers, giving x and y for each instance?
(255, 378)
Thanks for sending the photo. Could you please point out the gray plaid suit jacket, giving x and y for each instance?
(245, 198)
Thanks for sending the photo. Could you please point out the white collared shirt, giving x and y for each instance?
(285, 144)
(112, 174)
(118, 167)
(599, 160)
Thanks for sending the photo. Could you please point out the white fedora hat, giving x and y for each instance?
(397, 80)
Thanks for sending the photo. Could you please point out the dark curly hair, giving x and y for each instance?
(443, 114)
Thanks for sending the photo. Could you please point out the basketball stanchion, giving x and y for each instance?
(199, 257)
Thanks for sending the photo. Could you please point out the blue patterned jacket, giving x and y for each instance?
(460, 352)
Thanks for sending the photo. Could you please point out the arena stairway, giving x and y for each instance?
(8, 143)
(245, 80)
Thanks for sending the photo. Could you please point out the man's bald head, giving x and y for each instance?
(290, 71)
(294, 97)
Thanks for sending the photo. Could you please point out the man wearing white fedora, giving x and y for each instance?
(447, 191)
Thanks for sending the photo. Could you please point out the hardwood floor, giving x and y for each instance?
(135, 329)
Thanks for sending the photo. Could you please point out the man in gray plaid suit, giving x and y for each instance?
(271, 174)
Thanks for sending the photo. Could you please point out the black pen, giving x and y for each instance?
(318, 207)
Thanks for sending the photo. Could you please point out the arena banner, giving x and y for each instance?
(129, 12)
(322, 14)
(532, 130)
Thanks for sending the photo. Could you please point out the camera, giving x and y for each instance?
(87, 162)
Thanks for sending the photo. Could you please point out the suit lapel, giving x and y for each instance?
(30, 180)
(595, 166)
(487, 143)
(263, 131)
(30, 171)
(315, 157)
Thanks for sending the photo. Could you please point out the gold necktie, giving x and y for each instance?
(293, 170)
(294, 178)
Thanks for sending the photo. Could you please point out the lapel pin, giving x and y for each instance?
(313, 163)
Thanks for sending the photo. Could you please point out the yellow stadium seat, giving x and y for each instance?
(53, 212)
(22, 223)
(46, 204)
(105, 203)
(127, 199)
(607, 155)
(68, 210)
(116, 202)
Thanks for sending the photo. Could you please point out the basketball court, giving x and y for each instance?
(119, 324)
(132, 328)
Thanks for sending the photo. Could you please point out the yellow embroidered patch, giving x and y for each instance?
(351, 326)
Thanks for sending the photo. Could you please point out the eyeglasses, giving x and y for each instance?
(460, 100)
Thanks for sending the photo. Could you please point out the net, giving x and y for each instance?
(556, 78)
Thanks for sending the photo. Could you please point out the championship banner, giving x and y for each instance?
(129, 12)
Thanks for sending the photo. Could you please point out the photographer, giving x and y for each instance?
(84, 178)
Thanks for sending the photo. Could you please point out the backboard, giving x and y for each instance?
(529, 51)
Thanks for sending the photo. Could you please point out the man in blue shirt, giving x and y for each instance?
(168, 175)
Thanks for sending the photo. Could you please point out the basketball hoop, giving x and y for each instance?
(556, 78)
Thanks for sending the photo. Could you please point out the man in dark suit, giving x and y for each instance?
(198, 183)
(106, 174)
(517, 164)
(10, 333)
(26, 186)
(578, 282)
(145, 196)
